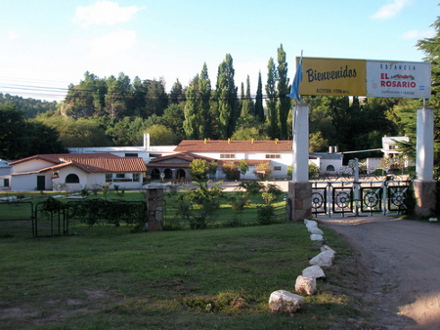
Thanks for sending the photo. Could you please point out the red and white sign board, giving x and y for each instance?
(398, 79)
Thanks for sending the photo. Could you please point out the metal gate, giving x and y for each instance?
(359, 198)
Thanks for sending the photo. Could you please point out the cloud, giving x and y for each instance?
(104, 13)
(417, 34)
(390, 10)
(112, 44)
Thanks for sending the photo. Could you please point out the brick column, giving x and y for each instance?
(155, 203)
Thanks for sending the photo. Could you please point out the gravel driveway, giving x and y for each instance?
(401, 260)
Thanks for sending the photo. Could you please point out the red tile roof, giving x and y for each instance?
(104, 165)
(186, 157)
(234, 146)
(55, 158)
(90, 162)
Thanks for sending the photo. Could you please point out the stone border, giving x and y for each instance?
(287, 302)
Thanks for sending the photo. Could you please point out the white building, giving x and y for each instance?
(73, 172)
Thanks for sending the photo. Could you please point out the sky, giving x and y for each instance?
(45, 45)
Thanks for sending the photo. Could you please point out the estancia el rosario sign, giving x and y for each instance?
(348, 77)
(399, 79)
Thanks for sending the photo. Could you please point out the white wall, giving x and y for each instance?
(32, 165)
(28, 182)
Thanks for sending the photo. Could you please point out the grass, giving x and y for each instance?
(104, 277)
(173, 219)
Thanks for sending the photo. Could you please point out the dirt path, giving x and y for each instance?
(401, 259)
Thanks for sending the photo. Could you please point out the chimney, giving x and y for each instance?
(147, 141)
(229, 140)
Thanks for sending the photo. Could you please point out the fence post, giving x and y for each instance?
(155, 203)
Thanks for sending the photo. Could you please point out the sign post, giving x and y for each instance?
(348, 77)
(424, 185)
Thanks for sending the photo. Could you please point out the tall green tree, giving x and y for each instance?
(227, 98)
(247, 104)
(176, 93)
(259, 108)
(271, 100)
(193, 123)
(284, 103)
(205, 91)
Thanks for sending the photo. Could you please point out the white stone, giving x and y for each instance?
(316, 237)
(313, 271)
(327, 248)
(310, 222)
(305, 285)
(285, 301)
(315, 230)
(324, 259)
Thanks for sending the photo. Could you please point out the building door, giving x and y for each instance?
(41, 182)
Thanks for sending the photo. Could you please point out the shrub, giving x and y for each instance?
(231, 171)
(252, 187)
(265, 214)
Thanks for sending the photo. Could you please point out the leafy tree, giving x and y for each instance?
(156, 98)
(30, 107)
(231, 171)
(243, 167)
(116, 97)
(199, 168)
(313, 170)
(87, 98)
(127, 131)
(173, 118)
(284, 103)
(20, 138)
(161, 135)
(77, 133)
(249, 133)
(271, 100)
(263, 171)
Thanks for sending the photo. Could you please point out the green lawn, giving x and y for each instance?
(105, 277)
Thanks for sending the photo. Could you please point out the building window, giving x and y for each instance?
(277, 168)
(131, 154)
(330, 168)
(122, 177)
(227, 155)
(72, 178)
(270, 156)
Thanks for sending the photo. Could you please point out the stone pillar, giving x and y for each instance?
(155, 204)
(300, 189)
(424, 185)
(300, 196)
